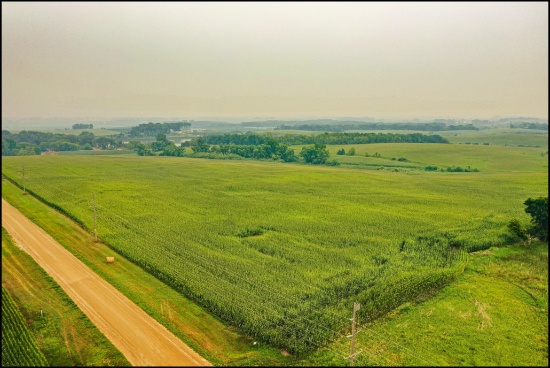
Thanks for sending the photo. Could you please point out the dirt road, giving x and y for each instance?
(142, 340)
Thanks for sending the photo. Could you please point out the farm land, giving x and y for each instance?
(21, 346)
(281, 251)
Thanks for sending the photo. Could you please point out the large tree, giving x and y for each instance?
(538, 209)
(317, 154)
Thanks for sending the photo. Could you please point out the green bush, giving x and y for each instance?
(517, 230)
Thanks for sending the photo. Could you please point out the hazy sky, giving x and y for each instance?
(274, 60)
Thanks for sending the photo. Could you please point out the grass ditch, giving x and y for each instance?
(63, 332)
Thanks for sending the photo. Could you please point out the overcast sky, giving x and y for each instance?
(274, 60)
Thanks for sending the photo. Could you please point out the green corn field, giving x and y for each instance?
(282, 251)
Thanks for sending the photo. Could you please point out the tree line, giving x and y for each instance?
(153, 129)
(378, 126)
(28, 142)
(526, 125)
(324, 138)
(249, 145)
(83, 126)
(266, 146)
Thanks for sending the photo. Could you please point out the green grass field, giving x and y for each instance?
(111, 152)
(500, 136)
(492, 158)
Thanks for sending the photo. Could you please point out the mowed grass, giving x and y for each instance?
(111, 152)
(256, 239)
(490, 158)
(63, 333)
(500, 136)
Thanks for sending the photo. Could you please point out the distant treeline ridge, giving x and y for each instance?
(324, 138)
(28, 142)
(83, 126)
(153, 129)
(526, 125)
(432, 127)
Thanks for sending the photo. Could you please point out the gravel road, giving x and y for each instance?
(142, 340)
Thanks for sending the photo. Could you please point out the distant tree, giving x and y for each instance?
(332, 163)
(104, 142)
(286, 154)
(142, 150)
(86, 138)
(172, 150)
(64, 146)
(133, 145)
(351, 152)
(8, 146)
(160, 143)
(317, 154)
(83, 126)
(200, 145)
(161, 137)
(538, 209)
(341, 152)
(157, 146)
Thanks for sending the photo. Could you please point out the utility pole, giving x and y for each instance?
(95, 220)
(23, 169)
(352, 355)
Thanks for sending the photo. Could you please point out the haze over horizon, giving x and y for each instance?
(274, 60)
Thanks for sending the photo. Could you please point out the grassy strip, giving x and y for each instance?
(495, 314)
(207, 335)
(63, 333)
(492, 158)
